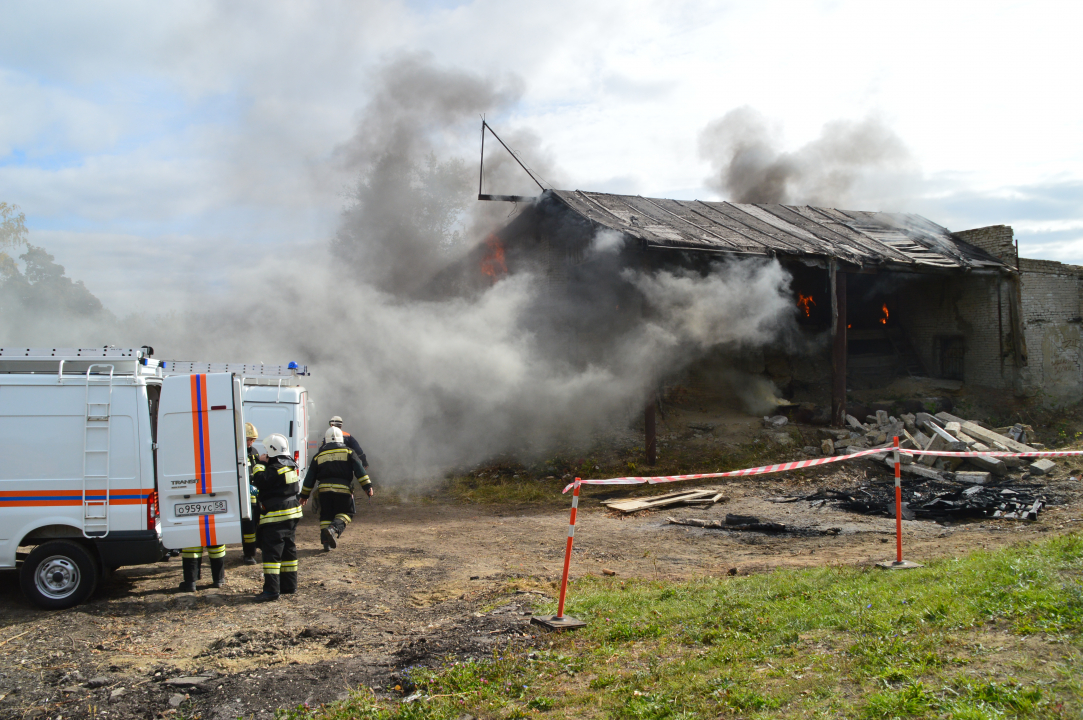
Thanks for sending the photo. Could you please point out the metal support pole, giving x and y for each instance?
(650, 439)
(838, 347)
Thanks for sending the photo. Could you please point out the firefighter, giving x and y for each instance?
(275, 476)
(192, 565)
(249, 527)
(333, 470)
(349, 440)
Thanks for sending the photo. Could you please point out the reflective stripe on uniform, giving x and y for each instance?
(272, 568)
(192, 552)
(330, 487)
(218, 551)
(279, 515)
(249, 538)
(344, 518)
(325, 524)
(336, 455)
(258, 468)
(289, 566)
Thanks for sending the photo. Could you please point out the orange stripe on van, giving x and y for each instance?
(204, 413)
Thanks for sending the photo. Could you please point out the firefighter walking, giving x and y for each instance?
(250, 526)
(332, 473)
(275, 477)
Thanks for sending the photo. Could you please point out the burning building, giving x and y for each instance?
(878, 295)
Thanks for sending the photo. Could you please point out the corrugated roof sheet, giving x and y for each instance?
(860, 238)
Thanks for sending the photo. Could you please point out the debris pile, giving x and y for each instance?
(701, 496)
(942, 501)
(942, 488)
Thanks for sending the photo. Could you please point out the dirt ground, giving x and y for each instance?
(413, 583)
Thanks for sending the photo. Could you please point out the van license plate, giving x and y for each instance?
(210, 507)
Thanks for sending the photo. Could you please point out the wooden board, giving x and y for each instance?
(637, 504)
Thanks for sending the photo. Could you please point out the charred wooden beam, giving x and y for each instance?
(507, 198)
(838, 349)
(649, 440)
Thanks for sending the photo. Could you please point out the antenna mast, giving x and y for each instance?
(481, 170)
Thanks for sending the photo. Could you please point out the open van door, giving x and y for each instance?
(202, 481)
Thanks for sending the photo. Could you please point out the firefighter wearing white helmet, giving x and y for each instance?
(348, 439)
(331, 473)
(250, 527)
(275, 476)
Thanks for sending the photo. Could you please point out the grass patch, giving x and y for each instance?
(507, 489)
(991, 635)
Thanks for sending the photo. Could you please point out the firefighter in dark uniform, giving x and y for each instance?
(333, 470)
(249, 527)
(349, 440)
(275, 476)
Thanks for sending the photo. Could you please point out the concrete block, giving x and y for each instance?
(973, 478)
(1042, 467)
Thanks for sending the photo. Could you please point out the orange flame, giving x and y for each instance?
(493, 263)
(883, 320)
(803, 302)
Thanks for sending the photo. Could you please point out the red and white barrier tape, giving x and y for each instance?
(783, 467)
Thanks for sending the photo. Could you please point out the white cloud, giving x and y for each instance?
(215, 121)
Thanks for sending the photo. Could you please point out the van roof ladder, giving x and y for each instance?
(99, 405)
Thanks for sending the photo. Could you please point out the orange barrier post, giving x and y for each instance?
(899, 563)
(560, 621)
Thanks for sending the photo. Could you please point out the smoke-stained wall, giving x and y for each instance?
(1053, 318)
(962, 319)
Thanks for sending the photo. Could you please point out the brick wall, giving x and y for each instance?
(1051, 293)
(974, 308)
(997, 240)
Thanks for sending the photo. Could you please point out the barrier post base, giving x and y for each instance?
(898, 565)
(555, 622)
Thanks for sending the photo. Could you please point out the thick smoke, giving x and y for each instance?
(433, 381)
(850, 165)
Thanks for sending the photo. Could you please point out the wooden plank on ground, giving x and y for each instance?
(636, 504)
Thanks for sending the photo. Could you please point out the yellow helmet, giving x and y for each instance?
(250, 432)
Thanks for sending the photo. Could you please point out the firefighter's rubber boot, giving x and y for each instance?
(218, 572)
(249, 559)
(328, 537)
(188, 565)
(270, 588)
(339, 527)
(288, 583)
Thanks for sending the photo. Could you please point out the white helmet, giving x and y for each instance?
(276, 445)
(333, 435)
(336, 421)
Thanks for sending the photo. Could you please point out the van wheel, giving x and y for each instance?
(59, 574)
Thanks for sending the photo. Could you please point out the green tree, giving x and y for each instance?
(44, 290)
(12, 228)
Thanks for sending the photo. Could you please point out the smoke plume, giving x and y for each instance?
(849, 165)
(430, 381)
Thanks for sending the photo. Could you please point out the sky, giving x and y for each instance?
(157, 149)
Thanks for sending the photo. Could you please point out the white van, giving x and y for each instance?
(108, 462)
(273, 400)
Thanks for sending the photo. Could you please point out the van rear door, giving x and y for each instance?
(201, 473)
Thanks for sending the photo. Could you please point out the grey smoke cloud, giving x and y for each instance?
(847, 164)
(431, 381)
